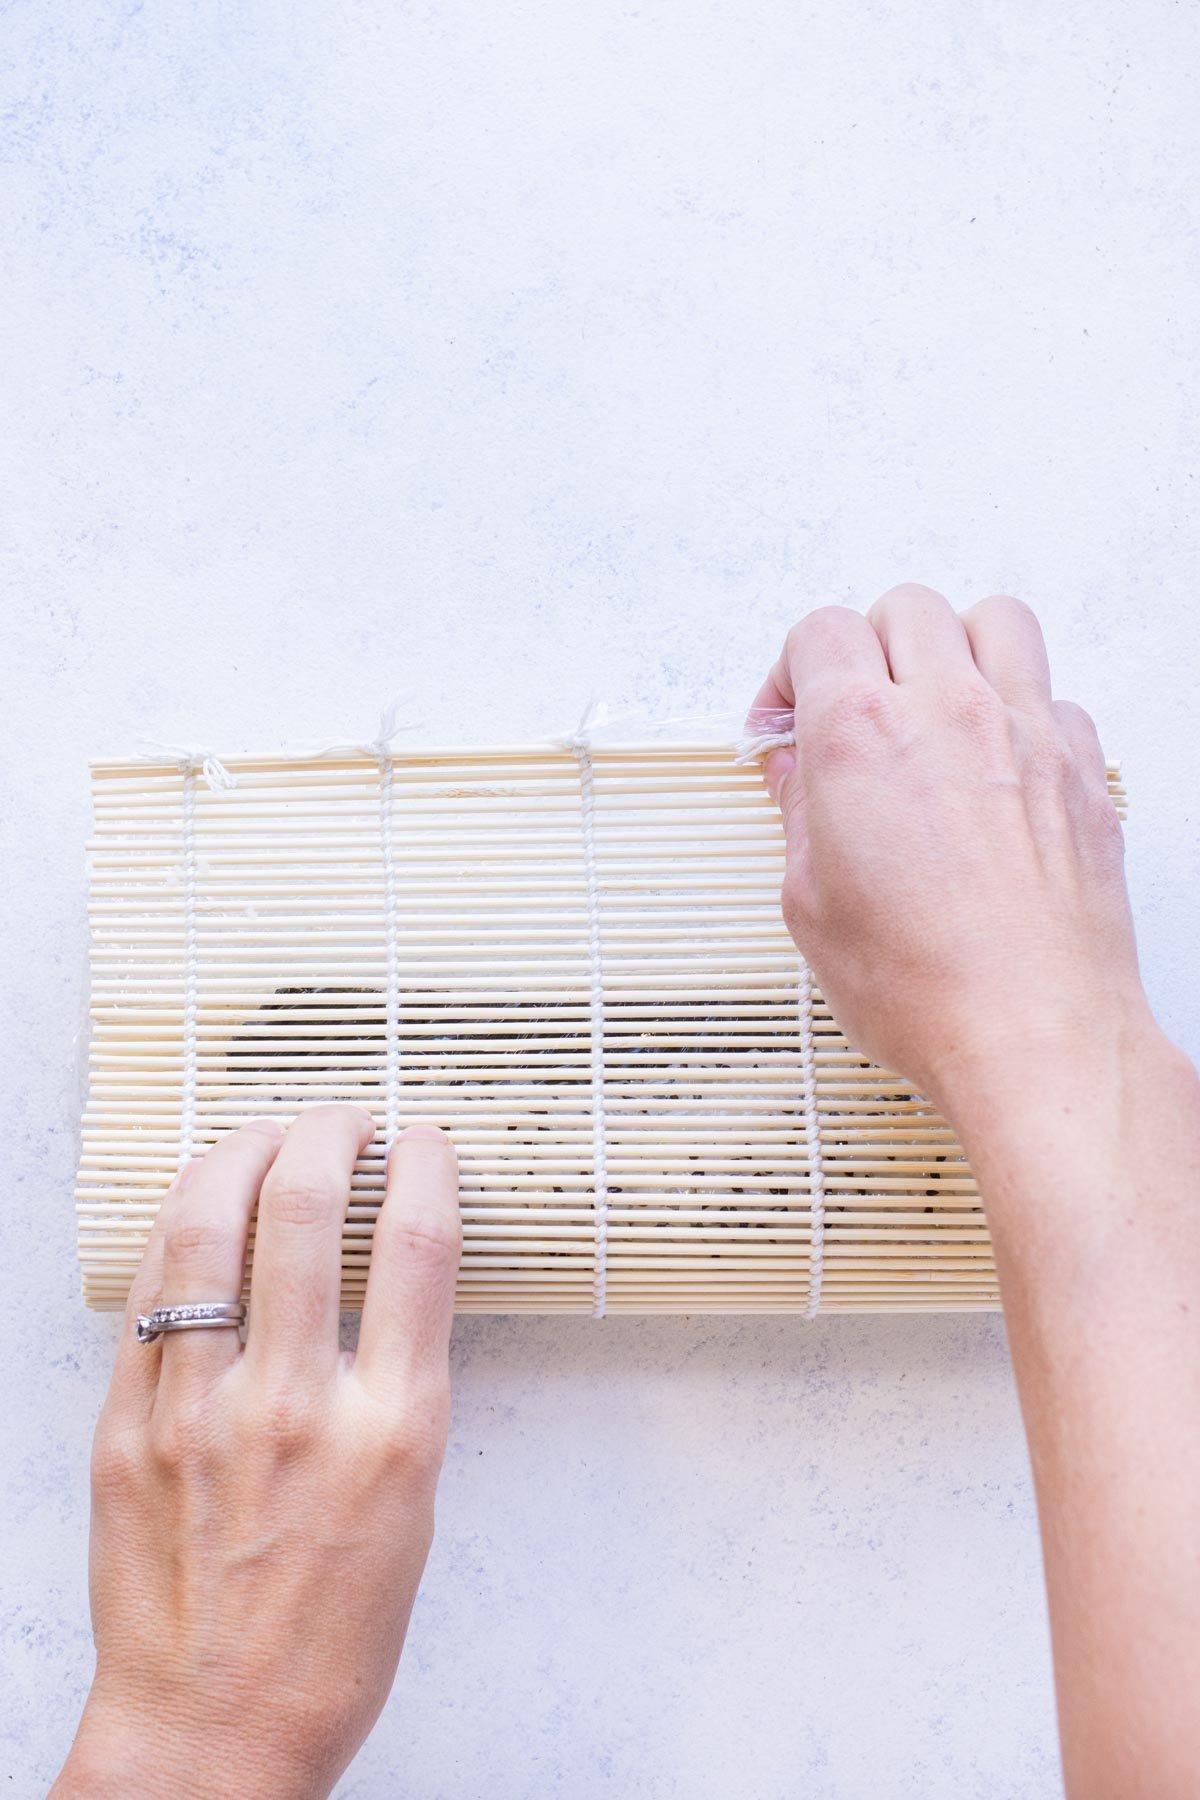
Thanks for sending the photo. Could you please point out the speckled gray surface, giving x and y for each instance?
(496, 356)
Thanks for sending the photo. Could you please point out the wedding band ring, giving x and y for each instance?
(211, 1315)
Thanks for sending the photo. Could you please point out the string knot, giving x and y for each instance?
(198, 762)
(218, 777)
(594, 714)
(389, 730)
(767, 728)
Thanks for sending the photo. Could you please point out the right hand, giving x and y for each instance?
(955, 871)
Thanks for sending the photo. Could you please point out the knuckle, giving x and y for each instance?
(840, 727)
(1048, 757)
(117, 1459)
(1106, 826)
(166, 1444)
(1077, 719)
(416, 1438)
(407, 1434)
(303, 1201)
(819, 636)
(192, 1237)
(908, 593)
(1006, 606)
(180, 1436)
(283, 1418)
(329, 1712)
(822, 620)
(975, 707)
(431, 1242)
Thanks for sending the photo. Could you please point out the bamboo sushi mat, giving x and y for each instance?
(573, 959)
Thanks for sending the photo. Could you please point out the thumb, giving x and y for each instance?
(777, 766)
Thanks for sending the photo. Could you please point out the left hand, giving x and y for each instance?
(261, 1516)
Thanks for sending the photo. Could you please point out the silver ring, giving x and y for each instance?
(211, 1315)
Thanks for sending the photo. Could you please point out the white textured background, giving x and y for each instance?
(493, 356)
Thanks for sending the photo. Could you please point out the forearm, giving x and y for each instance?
(1090, 1174)
(955, 877)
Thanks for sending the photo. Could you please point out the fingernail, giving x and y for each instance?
(420, 1134)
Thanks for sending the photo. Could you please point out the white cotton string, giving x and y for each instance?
(187, 1103)
(812, 1140)
(387, 770)
(752, 749)
(767, 728)
(380, 746)
(216, 775)
(580, 743)
(219, 778)
(774, 728)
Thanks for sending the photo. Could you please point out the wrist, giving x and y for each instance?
(117, 1752)
(998, 1092)
(1060, 1145)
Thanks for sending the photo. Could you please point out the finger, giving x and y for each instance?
(775, 694)
(136, 1368)
(204, 1250)
(773, 701)
(779, 767)
(1083, 740)
(295, 1280)
(832, 647)
(1010, 651)
(921, 634)
(404, 1336)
